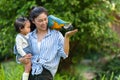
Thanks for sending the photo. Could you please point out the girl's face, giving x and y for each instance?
(26, 28)
(41, 22)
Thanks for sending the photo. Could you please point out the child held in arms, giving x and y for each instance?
(22, 26)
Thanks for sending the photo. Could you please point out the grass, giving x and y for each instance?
(2, 74)
(10, 70)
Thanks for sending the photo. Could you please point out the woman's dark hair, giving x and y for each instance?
(20, 23)
(35, 12)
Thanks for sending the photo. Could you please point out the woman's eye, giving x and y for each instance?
(45, 19)
(40, 20)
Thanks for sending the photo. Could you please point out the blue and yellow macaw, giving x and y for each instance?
(56, 23)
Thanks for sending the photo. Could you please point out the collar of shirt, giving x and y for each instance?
(35, 35)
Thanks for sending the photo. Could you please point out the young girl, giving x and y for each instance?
(22, 26)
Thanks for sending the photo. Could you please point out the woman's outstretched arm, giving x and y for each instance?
(67, 40)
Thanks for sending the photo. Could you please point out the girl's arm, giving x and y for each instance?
(19, 43)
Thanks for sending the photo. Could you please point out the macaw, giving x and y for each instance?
(58, 24)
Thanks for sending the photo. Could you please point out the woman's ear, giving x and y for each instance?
(33, 21)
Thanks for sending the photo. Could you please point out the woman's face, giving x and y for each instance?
(41, 22)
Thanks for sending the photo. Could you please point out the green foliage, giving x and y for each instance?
(91, 18)
(9, 10)
(64, 77)
(118, 77)
(110, 68)
(13, 71)
(2, 74)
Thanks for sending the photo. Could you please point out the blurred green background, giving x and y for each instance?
(94, 50)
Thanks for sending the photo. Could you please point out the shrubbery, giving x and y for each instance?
(91, 18)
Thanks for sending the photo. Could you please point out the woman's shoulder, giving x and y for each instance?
(32, 32)
(55, 31)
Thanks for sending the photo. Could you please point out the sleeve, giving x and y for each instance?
(61, 46)
(19, 46)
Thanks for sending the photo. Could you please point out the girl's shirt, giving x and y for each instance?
(21, 43)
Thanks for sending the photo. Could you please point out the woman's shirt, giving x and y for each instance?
(49, 53)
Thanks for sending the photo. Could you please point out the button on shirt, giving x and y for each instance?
(49, 53)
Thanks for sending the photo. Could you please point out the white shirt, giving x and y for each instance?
(39, 43)
(21, 42)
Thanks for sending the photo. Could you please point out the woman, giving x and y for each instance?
(47, 46)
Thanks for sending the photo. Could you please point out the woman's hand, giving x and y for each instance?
(25, 59)
(28, 56)
(70, 33)
(66, 40)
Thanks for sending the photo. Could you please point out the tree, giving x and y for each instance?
(9, 10)
(91, 18)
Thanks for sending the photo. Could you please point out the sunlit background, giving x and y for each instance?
(94, 50)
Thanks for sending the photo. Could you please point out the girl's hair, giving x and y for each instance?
(34, 13)
(20, 23)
